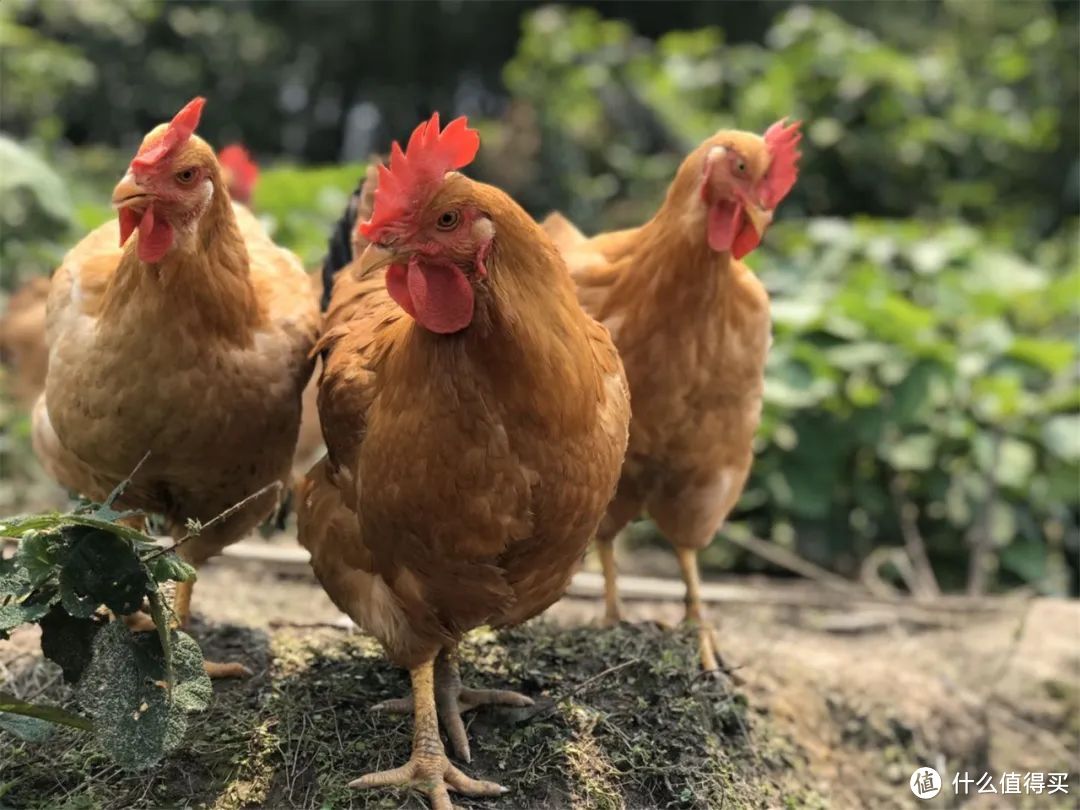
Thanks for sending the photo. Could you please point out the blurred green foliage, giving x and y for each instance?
(918, 365)
(923, 272)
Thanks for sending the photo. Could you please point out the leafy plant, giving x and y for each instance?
(137, 689)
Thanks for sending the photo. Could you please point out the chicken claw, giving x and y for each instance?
(452, 700)
(428, 769)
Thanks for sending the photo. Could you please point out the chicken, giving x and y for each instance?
(190, 341)
(345, 244)
(692, 326)
(22, 342)
(239, 172)
(475, 420)
(23, 352)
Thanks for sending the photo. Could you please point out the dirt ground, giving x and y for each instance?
(825, 706)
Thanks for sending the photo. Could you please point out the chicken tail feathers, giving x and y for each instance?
(344, 245)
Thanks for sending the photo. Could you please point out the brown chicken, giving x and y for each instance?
(692, 326)
(475, 419)
(190, 342)
(346, 243)
(23, 352)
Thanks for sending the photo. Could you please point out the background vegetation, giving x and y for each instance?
(923, 384)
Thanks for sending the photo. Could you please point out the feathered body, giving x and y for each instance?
(475, 419)
(23, 352)
(465, 473)
(692, 326)
(198, 357)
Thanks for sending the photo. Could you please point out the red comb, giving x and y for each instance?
(782, 142)
(177, 133)
(243, 170)
(415, 173)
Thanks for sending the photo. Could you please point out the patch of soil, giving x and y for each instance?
(832, 708)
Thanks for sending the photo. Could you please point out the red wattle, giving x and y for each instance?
(129, 221)
(155, 237)
(745, 240)
(724, 221)
(442, 297)
(398, 287)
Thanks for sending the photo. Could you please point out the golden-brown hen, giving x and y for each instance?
(475, 419)
(23, 351)
(191, 342)
(692, 326)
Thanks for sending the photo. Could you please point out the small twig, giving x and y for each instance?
(232, 510)
(118, 490)
(870, 572)
(778, 555)
(979, 537)
(541, 712)
(908, 515)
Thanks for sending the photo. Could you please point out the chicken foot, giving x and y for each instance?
(141, 623)
(695, 614)
(452, 700)
(428, 769)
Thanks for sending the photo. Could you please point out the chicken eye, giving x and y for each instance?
(740, 166)
(447, 221)
(185, 177)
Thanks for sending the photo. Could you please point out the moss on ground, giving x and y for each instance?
(622, 720)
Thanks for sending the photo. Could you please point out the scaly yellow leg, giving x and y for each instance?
(688, 563)
(612, 612)
(428, 769)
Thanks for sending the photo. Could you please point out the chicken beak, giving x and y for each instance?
(376, 257)
(760, 218)
(128, 192)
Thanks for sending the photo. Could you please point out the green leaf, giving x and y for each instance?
(136, 719)
(169, 566)
(106, 569)
(37, 555)
(13, 578)
(30, 729)
(54, 714)
(1062, 436)
(916, 452)
(852, 356)
(1052, 355)
(68, 641)
(11, 616)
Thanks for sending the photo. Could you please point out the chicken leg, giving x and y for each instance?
(452, 700)
(142, 623)
(695, 614)
(612, 611)
(428, 769)
(215, 669)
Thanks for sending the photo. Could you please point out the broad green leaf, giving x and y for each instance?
(911, 453)
(169, 566)
(37, 554)
(1062, 436)
(13, 578)
(31, 729)
(11, 616)
(106, 569)
(1052, 355)
(68, 641)
(136, 719)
